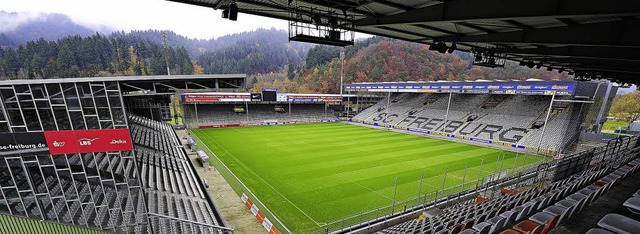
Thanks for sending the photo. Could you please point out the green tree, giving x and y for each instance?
(627, 107)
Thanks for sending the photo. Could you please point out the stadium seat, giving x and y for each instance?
(468, 231)
(633, 204)
(510, 231)
(497, 223)
(510, 216)
(599, 231)
(482, 228)
(619, 224)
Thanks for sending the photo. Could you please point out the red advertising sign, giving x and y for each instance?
(85, 141)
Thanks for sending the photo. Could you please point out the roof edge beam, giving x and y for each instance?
(610, 34)
(464, 10)
(593, 52)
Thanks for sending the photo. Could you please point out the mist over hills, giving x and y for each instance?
(20, 28)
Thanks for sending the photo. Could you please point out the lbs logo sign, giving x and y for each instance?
(85, 141)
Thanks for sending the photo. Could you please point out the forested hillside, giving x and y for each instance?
(97, 55)
(261, 51)
(383, 60)
(258, 51)
(141, 53)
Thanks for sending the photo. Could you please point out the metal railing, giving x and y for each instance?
(480, 182)
(617, 151)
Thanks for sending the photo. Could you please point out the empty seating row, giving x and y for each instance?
(509, 118)
(538, 209)
(219, 114)
(171, 186)
(580, 196)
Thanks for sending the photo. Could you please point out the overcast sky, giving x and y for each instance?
(187, 20)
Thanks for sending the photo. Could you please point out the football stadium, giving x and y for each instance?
(205, 154)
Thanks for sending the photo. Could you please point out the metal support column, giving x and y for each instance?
(246, 110)
(546, 121)
(446, 115)
(388, 99)
(195, 106)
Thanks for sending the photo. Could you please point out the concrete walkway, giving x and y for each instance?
(234, 213)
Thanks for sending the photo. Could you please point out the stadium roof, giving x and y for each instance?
(126, 79)
(158, 85)
(593, 39)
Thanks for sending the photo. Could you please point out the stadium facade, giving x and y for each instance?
(67, 155)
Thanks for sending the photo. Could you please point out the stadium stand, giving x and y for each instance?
(536, 209)
(511, 119)
(219, 114)
(177, 202)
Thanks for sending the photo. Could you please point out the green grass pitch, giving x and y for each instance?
(313, 174)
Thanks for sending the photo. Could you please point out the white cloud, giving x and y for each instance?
(188, 20)
(9, 22)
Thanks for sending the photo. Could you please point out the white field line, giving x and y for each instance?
(365, 187)
(265, 182)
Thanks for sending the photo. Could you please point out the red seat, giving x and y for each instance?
(528, 226)
(510, 231)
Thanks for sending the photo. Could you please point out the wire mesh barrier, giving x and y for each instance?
(481, 182)
(616, 152)
(239, 187)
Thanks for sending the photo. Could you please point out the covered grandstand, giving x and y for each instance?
(534, 115)
(240, 109)
(74, 153)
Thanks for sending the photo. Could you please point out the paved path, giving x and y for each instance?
(235, 214)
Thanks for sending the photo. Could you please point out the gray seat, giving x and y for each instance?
(566, 203)
(619, 224)
(599, 231)
(576, 197)
(633, 204)
(592, 187)
(528, 208)
(586, 191)
(541, 217)
(497, 223)
(510, 215)
(555, 210)
(637, 194)
(482, 228)
(610, 178)
(455, 229)
(468, 231)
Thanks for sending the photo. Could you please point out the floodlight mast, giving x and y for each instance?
(341, 69)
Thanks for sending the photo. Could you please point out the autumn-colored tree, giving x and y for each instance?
(197, 69)
(627, 107)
